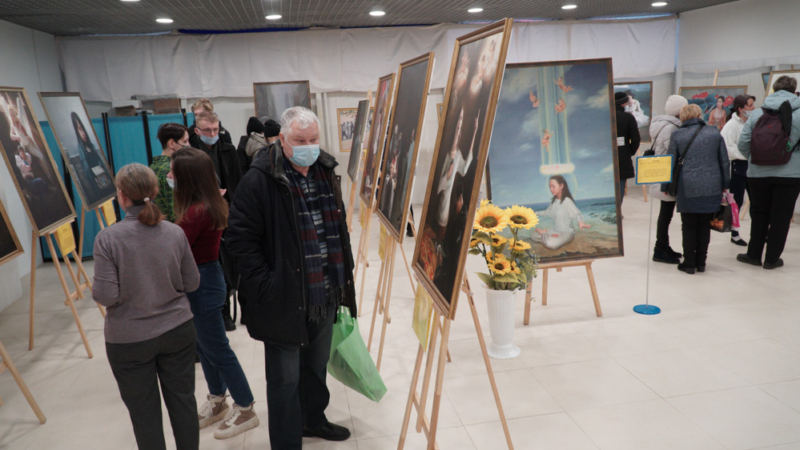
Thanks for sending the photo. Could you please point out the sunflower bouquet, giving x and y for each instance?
(511, 262)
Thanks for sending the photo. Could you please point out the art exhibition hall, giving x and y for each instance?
(399, 224)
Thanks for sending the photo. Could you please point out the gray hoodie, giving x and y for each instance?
(790, 169)
(661, 129)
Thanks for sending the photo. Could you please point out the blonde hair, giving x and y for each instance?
(203, 103)
(689, 112)
(139, 183)
(207, 117)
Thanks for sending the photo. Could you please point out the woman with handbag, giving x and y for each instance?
(699, 179)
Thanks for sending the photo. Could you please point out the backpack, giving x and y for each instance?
(769, 145)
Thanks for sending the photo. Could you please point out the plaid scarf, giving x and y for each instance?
(324, 203)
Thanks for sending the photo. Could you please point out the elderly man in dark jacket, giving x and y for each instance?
(628, 140)
(288, 234)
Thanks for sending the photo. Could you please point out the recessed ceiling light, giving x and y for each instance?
(475, 10)
(659, 4)
(377, 13)
(130, 0)
(569, 6)
(274, 17)
(164, 20)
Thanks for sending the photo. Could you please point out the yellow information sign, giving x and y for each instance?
(65, 239)
(421, 322)
(653, 169)
(108, 212)
(382, 243)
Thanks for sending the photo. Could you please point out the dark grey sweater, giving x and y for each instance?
(142, 274)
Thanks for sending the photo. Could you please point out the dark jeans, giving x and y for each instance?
(662, 229)
(772, 201)
(139, 367)
(738, 184)
(297, 392)
(622, 184)
(220, 365)
(696, 230)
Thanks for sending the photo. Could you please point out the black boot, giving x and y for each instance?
(673, 252)
(230, 325)
(664, 256)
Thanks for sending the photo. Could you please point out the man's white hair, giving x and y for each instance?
(298, 116)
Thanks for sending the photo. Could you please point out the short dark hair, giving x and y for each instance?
(174, 131)
(741, 101)
(785, 83)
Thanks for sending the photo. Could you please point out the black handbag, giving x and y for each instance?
(672, 189)
(652, 150)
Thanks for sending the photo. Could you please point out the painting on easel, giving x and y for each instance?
(80, 146)
(356, 139)
(377, 137)
(462, 145)
(9, 243)
(30, 163)
(773, 77)
(715, 101)
(554, 150)
(272, 99)
(640, 104)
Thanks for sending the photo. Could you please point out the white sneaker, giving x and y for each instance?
(238, 420)
(212, 411)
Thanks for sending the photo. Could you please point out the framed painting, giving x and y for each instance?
(377, 135)
(765, 78)
(714, 101)
(640, 104)
(357, 138)
(400, 152)
(346, 118)
(272, 99)
(459, 157)
(80, 147)
(773, 77)
(10, 247)
(31, 164)
(560, 162)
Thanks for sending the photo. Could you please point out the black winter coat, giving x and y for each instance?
(263, 237)
(227, 164)
(628, 140)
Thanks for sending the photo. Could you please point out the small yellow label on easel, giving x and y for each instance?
(108, 212)
(653, 169)
(382, 243)
(65, 239)
(362, 216)
(421, 322)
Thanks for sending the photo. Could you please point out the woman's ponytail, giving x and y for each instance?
(140, 185)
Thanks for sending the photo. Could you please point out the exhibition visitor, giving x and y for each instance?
(627, 141)
(143, 268)
(173, 137)
(662, 128)
(743, 105)
(702, 179)
(205, 105)
(773, 188)
(202, 213)
(288, 234)
(260, 134)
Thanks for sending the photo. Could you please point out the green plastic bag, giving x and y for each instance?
(350, 362)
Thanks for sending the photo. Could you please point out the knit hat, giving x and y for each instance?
(674, 105)
(271, 128)
(620, 98)
(254, 126)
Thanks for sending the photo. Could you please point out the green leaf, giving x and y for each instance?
(506, 278)
(483, 237)
(487, 279)
(474, 251)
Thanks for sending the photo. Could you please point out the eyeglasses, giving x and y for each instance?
(211, 131)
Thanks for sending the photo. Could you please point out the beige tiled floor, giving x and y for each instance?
(717, 369)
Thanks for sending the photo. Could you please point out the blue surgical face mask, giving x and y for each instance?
(304, 155)
(209, 140)
(171, 183)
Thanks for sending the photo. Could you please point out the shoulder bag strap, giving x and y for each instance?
(682, 157)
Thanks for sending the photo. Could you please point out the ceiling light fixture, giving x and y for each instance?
(377, 13)
(131, 1)
(569, 6)
(659, 4)
(475, 10)
(164, 20)
(274, 17)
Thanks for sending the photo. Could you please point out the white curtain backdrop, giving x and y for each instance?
(227, 65)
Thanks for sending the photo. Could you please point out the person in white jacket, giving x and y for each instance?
(661, 129)
(742, 107)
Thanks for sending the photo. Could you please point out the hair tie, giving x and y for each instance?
(146, 199)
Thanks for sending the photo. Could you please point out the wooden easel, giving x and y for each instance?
(351, 202)
(363, 251)
(100, 218)
(559, 267)
(417, 400)
(7, 363)
(49, 237)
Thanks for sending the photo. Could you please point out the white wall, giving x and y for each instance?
(30, 61)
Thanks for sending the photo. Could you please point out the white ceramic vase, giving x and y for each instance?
(501, 306)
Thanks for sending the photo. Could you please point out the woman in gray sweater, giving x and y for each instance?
(702, 180)
(143, 269)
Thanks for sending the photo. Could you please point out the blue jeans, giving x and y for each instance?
(622, 184)
(220, 365)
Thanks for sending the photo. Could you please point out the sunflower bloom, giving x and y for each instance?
(500, 266)
(498, 240)
(515, 268)
(490, 219)
(521, 217)
(490, 256)
(474, 243)
(519, 246)
(484, 202)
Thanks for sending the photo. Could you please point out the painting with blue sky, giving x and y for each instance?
(553, 149)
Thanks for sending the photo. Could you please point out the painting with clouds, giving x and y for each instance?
(553, 149)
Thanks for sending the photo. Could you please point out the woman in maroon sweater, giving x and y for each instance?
(202, 213)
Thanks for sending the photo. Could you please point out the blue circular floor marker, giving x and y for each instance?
(646, 309)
